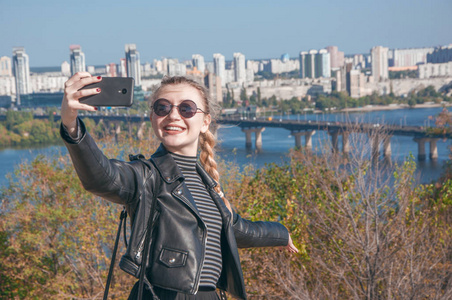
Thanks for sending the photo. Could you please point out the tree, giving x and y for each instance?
(56, 239)
(428, 92)
(14, 118)
(227, 100)
(273, 101)
(253, 100)
(244, 97)
(412, 102)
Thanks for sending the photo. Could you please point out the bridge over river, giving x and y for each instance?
(379, 134)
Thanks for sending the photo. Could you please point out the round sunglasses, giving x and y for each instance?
(187, 108)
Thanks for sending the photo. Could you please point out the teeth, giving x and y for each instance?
(173, 128)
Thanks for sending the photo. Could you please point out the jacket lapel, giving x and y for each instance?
(170, 173)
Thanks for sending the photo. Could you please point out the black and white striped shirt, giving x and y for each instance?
(210, 215)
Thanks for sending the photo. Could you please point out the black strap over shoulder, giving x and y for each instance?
(136, 157)
(123, 218)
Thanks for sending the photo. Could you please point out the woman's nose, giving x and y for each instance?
(174, 113)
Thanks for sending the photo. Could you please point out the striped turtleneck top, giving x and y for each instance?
(210, 215)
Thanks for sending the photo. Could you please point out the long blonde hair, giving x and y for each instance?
(207, 140)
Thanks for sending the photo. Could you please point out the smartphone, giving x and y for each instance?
(115, 91)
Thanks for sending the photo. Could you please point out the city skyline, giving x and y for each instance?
(259, 30)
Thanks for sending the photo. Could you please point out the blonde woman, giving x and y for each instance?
(196, 234)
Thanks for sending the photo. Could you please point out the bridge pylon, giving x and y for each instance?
(335, 140)
(422, 155)
(307, 138)
(258, 137)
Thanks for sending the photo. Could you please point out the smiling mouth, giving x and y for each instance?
(173, 128)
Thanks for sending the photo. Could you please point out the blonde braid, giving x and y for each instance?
(207, 144)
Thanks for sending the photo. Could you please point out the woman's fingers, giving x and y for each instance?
(85, 81)
(291, 247)
(73, 92)
(76, 78)
(74, 102)
(75, 85)
(86, 92)
(87, 107)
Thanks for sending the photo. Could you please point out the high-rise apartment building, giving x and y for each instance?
(210, 67)
(165, 66)
(278, 66)
(341, 79)
(322, 64)
(5, 66)
(435, 70)
(21, 72)
(77, 59)
(158, 65)
(198, 62)
(314, 64)
(122, 68)
(408, 57)
(355, 83)
(337, 58)
(213, 84)
(239, 68)
(112, 70)
(65, 68)
(175, 68)
(359, 62)
(379, 57)
(7, 86)
(310, 64)
(219, 65)
(440, 55)
(133, 63)
(302, 59)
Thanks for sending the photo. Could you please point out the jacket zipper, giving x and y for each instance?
(141, 245)
(198, 277)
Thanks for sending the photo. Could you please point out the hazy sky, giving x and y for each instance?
(180, 28)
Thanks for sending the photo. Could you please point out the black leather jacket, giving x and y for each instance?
(179, 235)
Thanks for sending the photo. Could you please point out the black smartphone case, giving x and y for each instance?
(115, 91)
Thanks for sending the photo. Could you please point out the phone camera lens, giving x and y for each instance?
(124, 91)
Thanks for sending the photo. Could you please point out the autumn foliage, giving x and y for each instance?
(361, 234)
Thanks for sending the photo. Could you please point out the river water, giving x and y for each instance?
(277, 142)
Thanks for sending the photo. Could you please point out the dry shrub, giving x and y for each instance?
(362, 234)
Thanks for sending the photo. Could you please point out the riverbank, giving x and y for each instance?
(369, 108)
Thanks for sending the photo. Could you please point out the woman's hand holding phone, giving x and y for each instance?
(72, 93)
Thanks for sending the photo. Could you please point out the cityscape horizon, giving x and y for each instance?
(314, 47)
(312, 73)
(211, 60)
(260, 30)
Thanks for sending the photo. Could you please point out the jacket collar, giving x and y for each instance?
(166, 165)
(170, 172)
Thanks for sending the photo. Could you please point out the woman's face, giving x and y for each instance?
(180, 135)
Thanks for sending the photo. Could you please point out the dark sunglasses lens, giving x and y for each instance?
(187, 109)
(162, 108)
